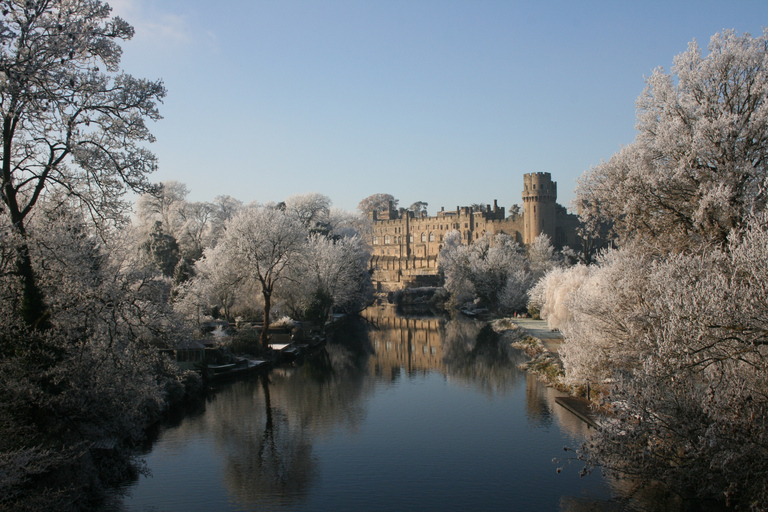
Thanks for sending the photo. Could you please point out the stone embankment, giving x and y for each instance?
(547, 364)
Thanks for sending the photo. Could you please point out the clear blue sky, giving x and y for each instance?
(448, 102)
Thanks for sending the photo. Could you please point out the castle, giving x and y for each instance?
(406, 244)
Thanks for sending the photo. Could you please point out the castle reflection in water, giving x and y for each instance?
(409, 344)
(420, 345)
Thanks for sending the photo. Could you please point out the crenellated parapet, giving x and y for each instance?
(406, 245)
(540, 203)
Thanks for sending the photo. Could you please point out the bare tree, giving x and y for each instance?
(70, 120)
(264, 242)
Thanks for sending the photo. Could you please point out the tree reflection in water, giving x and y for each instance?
(271, 435)
(265, 432)
(267, 457)
(475, 353)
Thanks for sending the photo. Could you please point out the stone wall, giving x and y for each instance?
(406, 245)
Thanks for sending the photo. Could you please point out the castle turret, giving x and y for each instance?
(540, 200)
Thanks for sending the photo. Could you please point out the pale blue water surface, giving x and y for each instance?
(394, 414)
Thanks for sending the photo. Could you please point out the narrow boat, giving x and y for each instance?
(286, 352)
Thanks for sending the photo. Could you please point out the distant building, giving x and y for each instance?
(406, 244)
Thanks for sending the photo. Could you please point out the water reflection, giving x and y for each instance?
(268, 457)
(458, 348)
(412, 345)
(267, 442)
(275, 438)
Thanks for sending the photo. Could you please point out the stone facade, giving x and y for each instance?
(405, 244)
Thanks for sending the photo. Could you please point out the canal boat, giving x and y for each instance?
(285, 352)
(234, 369)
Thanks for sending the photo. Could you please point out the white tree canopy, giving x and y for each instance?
(491, 271)
(310, 209)
(699, 164)
(70, 120)
(264, 242)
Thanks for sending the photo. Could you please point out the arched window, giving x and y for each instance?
(431, 237)
(423, 237)
(386, 239)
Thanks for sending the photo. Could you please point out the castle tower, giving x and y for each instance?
(539, 200)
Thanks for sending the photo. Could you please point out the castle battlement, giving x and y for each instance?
(406, 245)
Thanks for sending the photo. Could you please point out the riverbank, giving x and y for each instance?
(543, 346)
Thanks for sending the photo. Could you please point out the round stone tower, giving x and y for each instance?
(539, 201)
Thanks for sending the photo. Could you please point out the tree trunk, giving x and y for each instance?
(32, 309)
(267, 306)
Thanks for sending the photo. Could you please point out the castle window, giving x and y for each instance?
(534, 187)
(423, 237)
(410, 238)
(386, 239)
(431, 237)
(375, 240)
(441, 238)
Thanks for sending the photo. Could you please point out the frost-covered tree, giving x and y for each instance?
(331, 274)
(553, 293)
(225, 207)
(348, 224)
(218, 288)
(94, 378)
(492, 271)
(542, 257)
(164, 203)
(682, 343)
(418, 207)
(671, 326)
(264, 242)
(195, 233)
(71, 121)
(377, 203)
(311, 209)
(699, 164)
(190, 224)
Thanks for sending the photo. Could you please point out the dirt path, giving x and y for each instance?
(539, 329)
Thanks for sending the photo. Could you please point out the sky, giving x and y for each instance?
(446, 102)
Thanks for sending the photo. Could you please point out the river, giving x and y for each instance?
(394, 414)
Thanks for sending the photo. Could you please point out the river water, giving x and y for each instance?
(394, 414)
